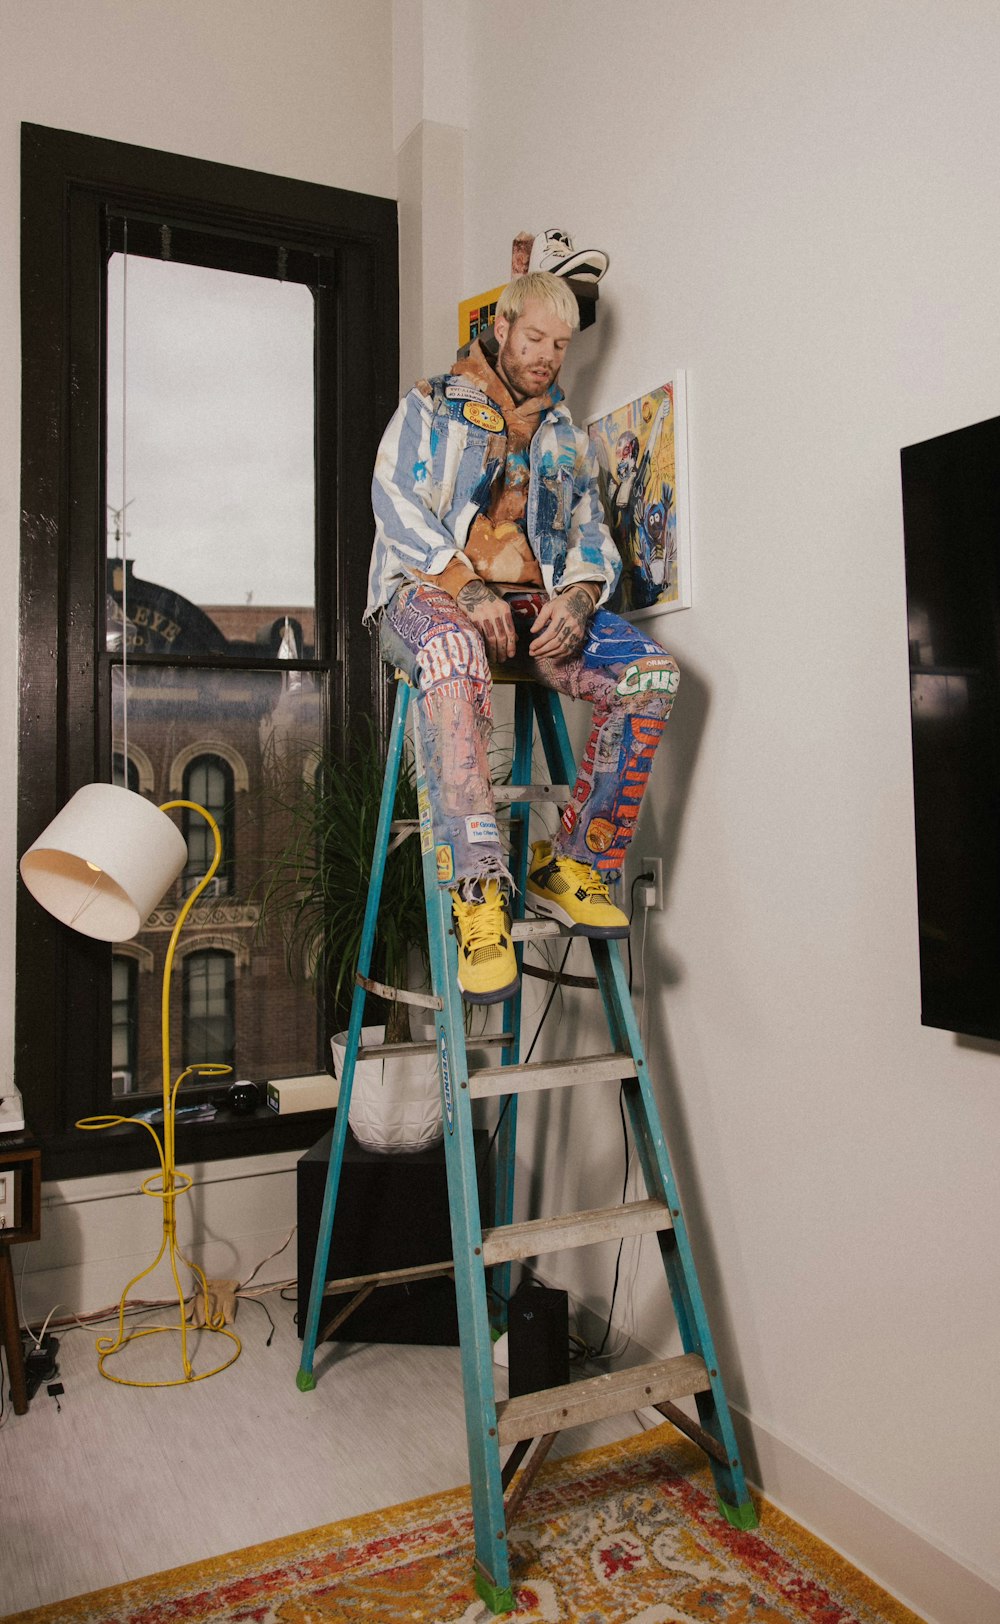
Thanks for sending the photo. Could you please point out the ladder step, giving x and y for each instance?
(536, 930)
(510, 794)
(503, 795)
(489, 1081)
(381, 1051)
(539, 1235)
(556, 1408)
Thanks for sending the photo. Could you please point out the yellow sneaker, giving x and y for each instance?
(487, 968)
(572, 892)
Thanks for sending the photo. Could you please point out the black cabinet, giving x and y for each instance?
(392, 1213)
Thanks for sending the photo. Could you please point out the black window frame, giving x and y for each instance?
(73, 187)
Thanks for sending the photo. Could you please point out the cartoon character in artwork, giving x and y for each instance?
(656, 544)
(623, 484)
(638, 526)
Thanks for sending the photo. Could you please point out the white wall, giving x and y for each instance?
(301, 89)
(430, 68)
(800, 203)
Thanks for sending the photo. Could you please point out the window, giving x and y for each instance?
(124, 974)
(209, 984)
(208, 781)
(163, 604)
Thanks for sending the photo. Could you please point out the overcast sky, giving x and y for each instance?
(218, 430)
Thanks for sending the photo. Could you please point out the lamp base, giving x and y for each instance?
(178, 1381)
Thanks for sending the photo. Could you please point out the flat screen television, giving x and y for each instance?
(951, 522)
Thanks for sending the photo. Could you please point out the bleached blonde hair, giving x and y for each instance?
(552, 290)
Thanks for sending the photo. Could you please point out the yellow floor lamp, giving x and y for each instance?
(101, 866)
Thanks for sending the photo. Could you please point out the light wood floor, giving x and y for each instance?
(119, 1482)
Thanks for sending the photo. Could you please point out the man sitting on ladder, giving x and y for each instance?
(490, 547)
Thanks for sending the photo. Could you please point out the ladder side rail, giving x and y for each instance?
(623, 1031)
(675, 1246)
(503, 1194)
(558, 751)
(647, 1133)
(492, 1562)
(306, 1379)
(656, 1170)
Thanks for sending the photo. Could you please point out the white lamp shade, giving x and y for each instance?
(104, 862)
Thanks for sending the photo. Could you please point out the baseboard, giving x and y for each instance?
(97, 1233)
(935, 1584)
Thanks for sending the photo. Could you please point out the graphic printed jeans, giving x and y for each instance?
(629, 679)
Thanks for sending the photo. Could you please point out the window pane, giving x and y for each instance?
(256, 724)
(208, 781)
(217, 441)
(123, 1019)
(208, 1008)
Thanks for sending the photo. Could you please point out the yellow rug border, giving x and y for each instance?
(853, 1585)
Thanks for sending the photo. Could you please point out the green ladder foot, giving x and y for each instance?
(498, 1598)
(305, 1381)
(742, 1516)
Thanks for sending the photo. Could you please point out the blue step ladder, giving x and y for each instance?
(532, 1418)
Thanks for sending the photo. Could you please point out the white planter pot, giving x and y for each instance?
(395, 1103)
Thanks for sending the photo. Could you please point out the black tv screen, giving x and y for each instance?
(951, 521)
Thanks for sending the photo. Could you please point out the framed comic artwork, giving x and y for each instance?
(643, 475)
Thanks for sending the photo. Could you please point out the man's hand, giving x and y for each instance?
(561, 624)
(491, 616)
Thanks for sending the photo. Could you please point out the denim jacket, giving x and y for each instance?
(435, 467)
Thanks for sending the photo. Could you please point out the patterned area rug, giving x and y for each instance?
(625, 1534)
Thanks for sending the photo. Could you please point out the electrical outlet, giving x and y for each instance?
(652, 895)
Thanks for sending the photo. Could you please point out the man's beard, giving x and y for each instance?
(517, 376)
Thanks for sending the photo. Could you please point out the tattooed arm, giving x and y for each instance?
(561, 624)
(491, 616)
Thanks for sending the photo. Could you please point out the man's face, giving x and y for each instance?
(531, 348)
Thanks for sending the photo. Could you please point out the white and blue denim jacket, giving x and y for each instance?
(433, 474)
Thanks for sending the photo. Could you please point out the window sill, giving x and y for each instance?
(78, 1154)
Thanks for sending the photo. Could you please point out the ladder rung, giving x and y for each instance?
(536, 930)
(488, 1081)
(542, 1235)
(503, 795)
(510, 794)
(556, 1408)
(381, 1051)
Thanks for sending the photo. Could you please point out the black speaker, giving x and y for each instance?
(392, 1213)
(537, 1338)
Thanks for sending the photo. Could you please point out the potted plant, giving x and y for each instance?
(315, 891)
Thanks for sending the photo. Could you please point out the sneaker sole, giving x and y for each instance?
(552, 910)
(498, 997)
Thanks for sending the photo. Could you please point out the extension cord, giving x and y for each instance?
(39, 1363)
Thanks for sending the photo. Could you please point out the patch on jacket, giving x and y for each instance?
(484, 416)
(464, 391)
